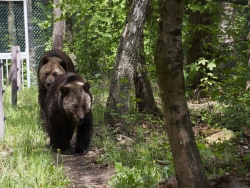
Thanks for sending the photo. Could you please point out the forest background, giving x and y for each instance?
(215, 50)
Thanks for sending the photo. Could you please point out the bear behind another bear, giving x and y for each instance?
(52, 64)
(68, 106)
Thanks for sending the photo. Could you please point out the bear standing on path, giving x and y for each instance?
(52, 64)
(68, 106)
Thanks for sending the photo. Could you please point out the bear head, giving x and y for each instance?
(52, 67)
(76, 100)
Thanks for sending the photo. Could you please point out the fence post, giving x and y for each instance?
(13, 73)
(18, 68)
(1, 105)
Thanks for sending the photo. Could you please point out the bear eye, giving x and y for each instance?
(55, 74)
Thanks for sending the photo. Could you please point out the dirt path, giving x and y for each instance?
(84, 171)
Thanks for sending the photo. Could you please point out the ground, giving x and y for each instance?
(84, 171)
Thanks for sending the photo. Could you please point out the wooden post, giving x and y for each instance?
(18, 69)
(13, 74)
(1, 106)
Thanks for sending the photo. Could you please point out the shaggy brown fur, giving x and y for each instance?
(52, 64)
(68, 106)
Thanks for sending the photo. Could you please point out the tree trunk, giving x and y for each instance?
(11, 24)
(248, 25)
(126, 61)
(1, 105)
(69, 30)
(143, 89)
(32, 44)
(169, 67)
(200, 37)
(228, 10)
(58, 28)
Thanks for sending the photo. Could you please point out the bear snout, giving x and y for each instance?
(49, 84)
(81, 118)
(78, 120)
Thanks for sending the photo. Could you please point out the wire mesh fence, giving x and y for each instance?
(39, 36)
(12, 30)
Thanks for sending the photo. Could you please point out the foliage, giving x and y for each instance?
(202, 65)
(222, 157)
(150, 37)
(140, 151)
(225, 74)
(226, 43)
(234, 96)
(93, 33)
(141, 155)
(96, 30)
(132, 177)
(24, 160)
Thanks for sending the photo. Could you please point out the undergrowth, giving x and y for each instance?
(24, 159)
(138, 148)
(140, 152)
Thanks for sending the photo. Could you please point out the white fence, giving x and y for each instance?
(5, 59)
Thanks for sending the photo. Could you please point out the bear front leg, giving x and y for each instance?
(68, 135)
(57, 138)
(84, 135)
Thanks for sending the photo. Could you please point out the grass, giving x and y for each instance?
(24, 159)
(140, 152)
(138, 148)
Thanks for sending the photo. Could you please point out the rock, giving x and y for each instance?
(220, 136)
(208, 132)
(170, 183)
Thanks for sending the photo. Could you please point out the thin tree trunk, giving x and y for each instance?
(143, 89)
(32, 45)
(58, 28)
(169, 67)
(1, 105)
(69, 29)
(126, 61)
(228, 11)
(248, 25)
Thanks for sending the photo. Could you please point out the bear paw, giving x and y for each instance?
(80, 153)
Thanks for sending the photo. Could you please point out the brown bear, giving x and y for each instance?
(68, 106)
(52, 64)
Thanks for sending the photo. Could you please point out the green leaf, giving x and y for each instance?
(118, 167)
(211, 65)
(203, 62)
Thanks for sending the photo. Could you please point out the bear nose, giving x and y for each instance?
(81, 118)
(49, 84)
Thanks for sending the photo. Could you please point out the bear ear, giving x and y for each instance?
(64, 65)
(64, 90)
(86, 87)
(44, 60)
